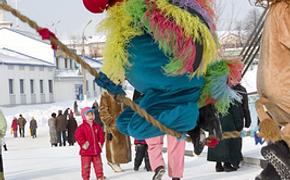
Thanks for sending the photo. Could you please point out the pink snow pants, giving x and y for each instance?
(176, 149)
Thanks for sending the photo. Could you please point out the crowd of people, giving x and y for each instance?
(20, 123)
(99, 129)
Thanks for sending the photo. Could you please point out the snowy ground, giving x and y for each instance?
(30, 159)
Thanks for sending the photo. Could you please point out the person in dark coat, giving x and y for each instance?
(61, 127)
(71, 128)
(141, 153)
(76, 108)
(98, 120)
(21, 123)
(33, 127)
(229, 151)
(141, 146)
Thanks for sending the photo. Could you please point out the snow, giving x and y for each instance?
(34, 159)
(68, 73)
(249, 81)
(25, 44)
(9, 57)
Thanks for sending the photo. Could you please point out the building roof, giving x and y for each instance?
(95, 63)
(68, 73)
(8, 56)
(26, 43)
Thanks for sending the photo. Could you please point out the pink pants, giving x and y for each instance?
(86, 166)
(176, 149)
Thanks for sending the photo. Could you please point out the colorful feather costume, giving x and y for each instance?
(167, 50)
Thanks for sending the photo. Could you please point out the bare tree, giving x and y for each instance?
(251, 21)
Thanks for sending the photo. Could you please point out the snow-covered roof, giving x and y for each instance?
(95, 63)
(100, 38)
(8, 56)
(27, 44)
(68, 74)
(222, 34)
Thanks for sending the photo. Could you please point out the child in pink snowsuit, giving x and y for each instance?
(90, 137)
(176, 149)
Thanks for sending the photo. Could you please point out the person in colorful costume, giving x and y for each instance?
(273, 83)
(164, 49)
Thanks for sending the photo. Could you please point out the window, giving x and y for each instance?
(41, 86)
(71, 64)
(10, 67)
(50, 86)
(57, 62)
(21, 67)
(11, 86)
(21, 86)
(31, 86)
(94, 85)
(76, 66)
(31, 68)
(41, 68)
(87, 85)
(65, 63)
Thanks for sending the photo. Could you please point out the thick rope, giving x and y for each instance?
(94, 72)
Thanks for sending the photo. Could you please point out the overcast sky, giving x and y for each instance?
(70, 16)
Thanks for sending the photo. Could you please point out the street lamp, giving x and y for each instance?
(54, 25)
(83, 55)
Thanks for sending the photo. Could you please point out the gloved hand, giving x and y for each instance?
(109, 137)
(86, 145)
(248, 123)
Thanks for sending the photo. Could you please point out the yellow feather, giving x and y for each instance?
(119, 33)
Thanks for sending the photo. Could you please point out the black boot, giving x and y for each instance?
(208, 121)
(147, 162)
(219, 167)
(228, 167)
(139, 155)
(197, 136)
(159, 172)
(269, 173)
(278, 155)
(175, 178)
(236, 165)
(5, 147)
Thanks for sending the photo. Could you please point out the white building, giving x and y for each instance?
(24, 79)
(31, 72)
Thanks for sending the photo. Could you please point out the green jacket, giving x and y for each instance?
(3, 125)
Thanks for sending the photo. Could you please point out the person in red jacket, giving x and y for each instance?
(90, 137)
(14, 127)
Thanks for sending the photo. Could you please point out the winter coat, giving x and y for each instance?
(229, 150)
(273, 76)
(52, 130)
(118, 146)
(97, 116)
(21, 122)
(93, 134)
(71, 128)
(33, 124)
(61, 122)
(14, 125)
(3, 125)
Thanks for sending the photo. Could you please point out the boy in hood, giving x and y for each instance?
(90, 137)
